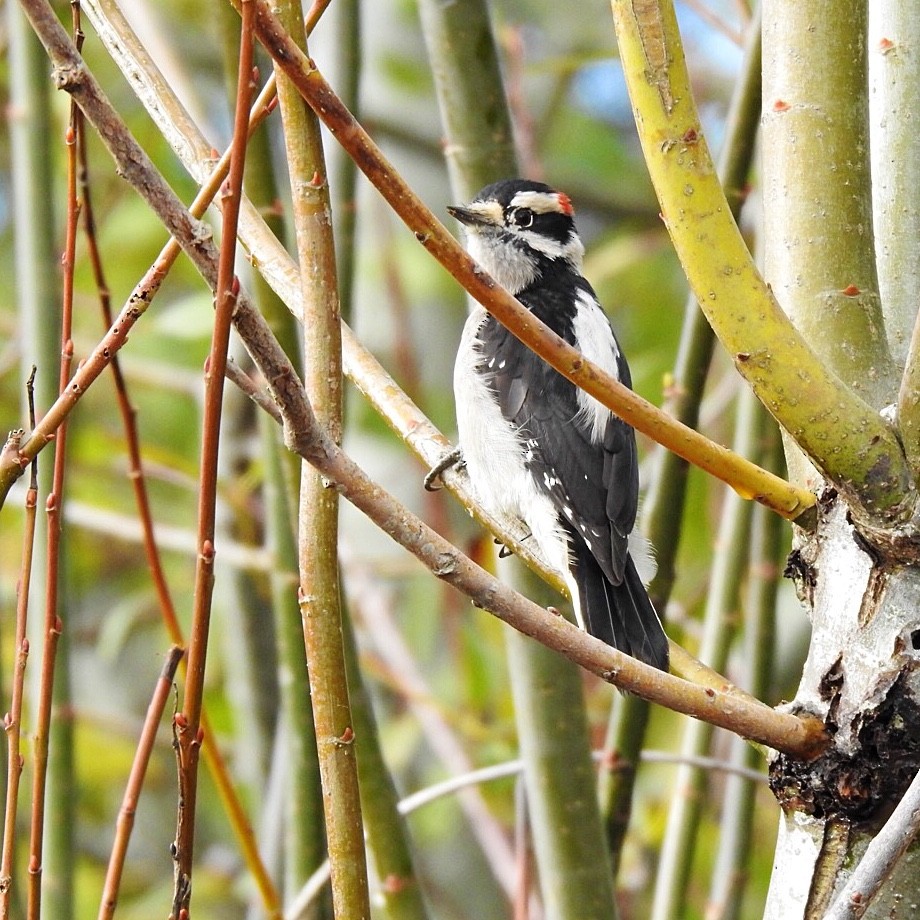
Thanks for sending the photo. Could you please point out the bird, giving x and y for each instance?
(538, 448)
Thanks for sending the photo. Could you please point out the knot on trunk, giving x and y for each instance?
(863, 786)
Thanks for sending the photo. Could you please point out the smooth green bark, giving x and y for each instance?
(319, 598)
(718, 628)
(662, 510)
(820, 259)
(559, 776)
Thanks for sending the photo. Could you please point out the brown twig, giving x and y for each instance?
(125, 822)
(747, 478)
(804, 736)
(12, 721)
(54, 506)
(125, 408)
(227, 290)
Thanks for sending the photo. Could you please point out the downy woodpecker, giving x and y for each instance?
(537, 447)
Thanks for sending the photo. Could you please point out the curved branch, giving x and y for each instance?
(804, 395)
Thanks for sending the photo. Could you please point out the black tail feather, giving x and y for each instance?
(620, 615)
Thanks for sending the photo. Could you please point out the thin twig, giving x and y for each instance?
(125, 822)
(194, 238)
(188, 722)
(433, 793)
(12, 721)
(53, 624)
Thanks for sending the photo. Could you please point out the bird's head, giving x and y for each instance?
(519, 230)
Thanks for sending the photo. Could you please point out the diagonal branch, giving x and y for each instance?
(747, 478)
(751, 719)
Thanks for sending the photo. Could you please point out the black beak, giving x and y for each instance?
(467, 217)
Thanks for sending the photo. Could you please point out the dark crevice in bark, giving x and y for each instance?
(860, 788)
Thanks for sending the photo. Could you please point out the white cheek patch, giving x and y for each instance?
(571, 250)
(597, 344)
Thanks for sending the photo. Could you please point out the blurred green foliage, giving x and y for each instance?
(409, 314)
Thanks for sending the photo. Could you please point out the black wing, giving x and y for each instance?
(594, 486)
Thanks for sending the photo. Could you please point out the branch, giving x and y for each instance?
(747, 478)
(12, 721)
(135, 783)
(188, 722)
(804, 736)
(48, 694)
(318, 509)
(804, 395)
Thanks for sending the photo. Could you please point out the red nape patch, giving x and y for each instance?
(565, 203)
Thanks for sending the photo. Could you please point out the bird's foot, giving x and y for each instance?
(452, 458)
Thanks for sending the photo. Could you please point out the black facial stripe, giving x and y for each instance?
(554, 226)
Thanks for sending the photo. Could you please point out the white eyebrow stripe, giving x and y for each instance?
(538, 202)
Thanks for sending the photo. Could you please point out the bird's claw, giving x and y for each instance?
(451, 458)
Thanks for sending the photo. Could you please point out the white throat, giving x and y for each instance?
(513, 267)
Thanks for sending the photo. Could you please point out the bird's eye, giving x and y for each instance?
(521, 217)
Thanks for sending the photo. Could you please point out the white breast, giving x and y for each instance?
(494, 454)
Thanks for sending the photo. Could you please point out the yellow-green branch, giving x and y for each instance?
(847, 440)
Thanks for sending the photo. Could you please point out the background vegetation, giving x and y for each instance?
(435, 670)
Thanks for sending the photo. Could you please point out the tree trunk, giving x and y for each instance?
(861, 677)
(857, 577)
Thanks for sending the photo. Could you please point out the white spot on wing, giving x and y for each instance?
(595, 339)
